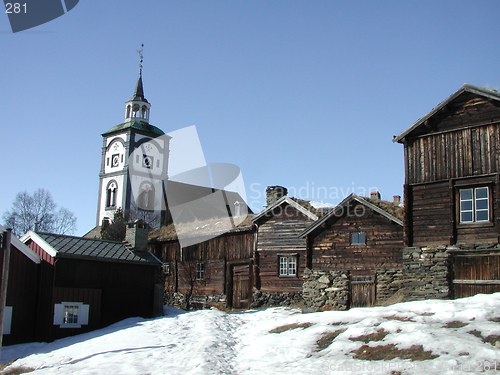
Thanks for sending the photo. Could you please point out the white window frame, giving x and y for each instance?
(200, 271)
(287, 265)
(474, 204)
(60, 314)
(166, 269)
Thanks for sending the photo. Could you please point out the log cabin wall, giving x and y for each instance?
(332, 248)
(344, 274)
(459, 146)
(278, 236)
(201, 275)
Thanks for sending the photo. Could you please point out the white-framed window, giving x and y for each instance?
(200, 271)
(474, 205)
(71, 314)
(358, 238)
(288, 266)
(111, 192)
(166, 269)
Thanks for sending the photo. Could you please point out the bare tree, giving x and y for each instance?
(38, 208)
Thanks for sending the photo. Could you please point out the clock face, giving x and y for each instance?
(147, 161)
(115, 160)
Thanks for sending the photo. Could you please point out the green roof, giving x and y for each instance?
(138, 125)
(79, 247)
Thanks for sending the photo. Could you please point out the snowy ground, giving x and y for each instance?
(429, 337)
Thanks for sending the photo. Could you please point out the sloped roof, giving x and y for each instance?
(14, 241)
(58, 245)
(138, 125)
(339, 208)
(481, 91)
(281, 201)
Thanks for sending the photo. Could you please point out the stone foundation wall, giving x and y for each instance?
(388, 283)
(326, 290)
(262, 299)
(426, 272)
(197, 301)
(329, 290)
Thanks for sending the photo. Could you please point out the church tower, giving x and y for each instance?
(134, 163)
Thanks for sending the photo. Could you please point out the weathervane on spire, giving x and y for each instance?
(141, 56)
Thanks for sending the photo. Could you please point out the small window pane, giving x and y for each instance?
(70, 314)
(357, 238)
(292, 266)
(466, 206)
(481, 193)
(466, 216)
(482, 204)
(465, 194)
(482, 216)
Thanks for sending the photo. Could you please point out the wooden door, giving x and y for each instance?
(474, 274)
(241, 286)
(362, 290)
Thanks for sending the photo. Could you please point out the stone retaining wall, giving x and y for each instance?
(326, 290)
(197, 301)
(426, 272)
(262, 299)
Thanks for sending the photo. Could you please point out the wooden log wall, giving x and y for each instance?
(332, 249)
(278, 234)
(458, 153)
(435, 215)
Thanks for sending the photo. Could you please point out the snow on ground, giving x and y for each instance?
(428, 337)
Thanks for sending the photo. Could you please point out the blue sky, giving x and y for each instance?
(304, 94)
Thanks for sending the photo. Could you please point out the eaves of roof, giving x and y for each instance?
(281, 201)
(491, 94)
(339, 208)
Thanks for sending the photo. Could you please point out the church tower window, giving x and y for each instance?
(111, 191)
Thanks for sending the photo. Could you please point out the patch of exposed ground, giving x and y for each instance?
(491, 339)
(455, 324)
(288, 327)
(399, 318)
(375, 336)
(15, 370)
(327, 338)
(390, 351)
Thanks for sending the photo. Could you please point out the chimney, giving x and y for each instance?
(375, 195)
(396, 199)
(273, 193)
(136, 235)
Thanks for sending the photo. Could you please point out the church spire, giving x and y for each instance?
(137, 108)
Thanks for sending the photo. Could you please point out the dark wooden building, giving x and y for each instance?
(215, 272)
(357, 249)
(73, 285)
(22, 292)
(280, 254)
(452, 191)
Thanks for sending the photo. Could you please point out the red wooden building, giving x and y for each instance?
(22, 291)
(64, 285)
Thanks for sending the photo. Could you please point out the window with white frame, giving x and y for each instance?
(200, 271)
(474, 205)
(288, 266)
(71, 314)
(166, 269)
